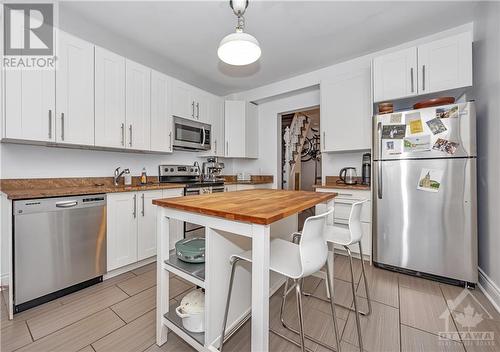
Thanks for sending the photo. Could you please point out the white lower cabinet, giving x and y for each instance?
(343, 203)
(131, 226)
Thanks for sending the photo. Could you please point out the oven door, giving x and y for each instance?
(191, 135)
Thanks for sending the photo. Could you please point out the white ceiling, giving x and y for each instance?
(295, 36)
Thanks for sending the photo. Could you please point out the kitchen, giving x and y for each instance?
(147, 113)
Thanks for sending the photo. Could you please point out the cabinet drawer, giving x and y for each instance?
(176, 192)
(343, 209)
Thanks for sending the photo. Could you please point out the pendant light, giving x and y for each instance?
(239, 48)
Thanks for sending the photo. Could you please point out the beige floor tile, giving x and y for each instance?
(382, 286)
(458, 298)
(342, 293)
(487, 341)
(95, 288)
(419, 284)
(64, 315)
(87, 349)
(79, 335)
(414, 340)
(178, 287)
(380, 330)
(342, 269)
(37, 311)
(173, 344)
(145, 268)
(135, 306)
(133, 337)
(138, 283)
(15, 336)
(425, 311)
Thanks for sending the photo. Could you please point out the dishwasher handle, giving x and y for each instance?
(68, 204)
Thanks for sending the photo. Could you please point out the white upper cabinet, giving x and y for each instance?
(346, 111)
(428, 68)
(75, 91)
(217, 121)
(109, 99)
(395, 75)
(201, 106)
(138, 105)
(161, 117)
(241, 129)
(30, 105)
(183, 104)
(445, 64)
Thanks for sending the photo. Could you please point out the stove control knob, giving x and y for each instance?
(171, 169)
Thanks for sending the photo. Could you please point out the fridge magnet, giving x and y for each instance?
(393, 131)
(393, 147)
(413, 120)
(417, 144)
(446, 146)
(445, 113)
(436, 126)
(430, 180)
(396, 118)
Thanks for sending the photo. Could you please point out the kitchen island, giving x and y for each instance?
(234, 222)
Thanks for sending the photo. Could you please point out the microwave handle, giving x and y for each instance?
(204, 136)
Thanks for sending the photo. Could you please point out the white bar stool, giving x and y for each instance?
(294, 261)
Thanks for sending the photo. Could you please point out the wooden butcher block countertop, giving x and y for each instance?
(257, 206)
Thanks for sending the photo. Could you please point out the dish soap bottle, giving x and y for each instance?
(144, 177)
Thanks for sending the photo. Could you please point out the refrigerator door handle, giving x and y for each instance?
(379, 172)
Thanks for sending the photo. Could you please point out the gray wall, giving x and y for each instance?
(487, 94)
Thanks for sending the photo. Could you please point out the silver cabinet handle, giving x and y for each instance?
(411, 78)
(69, 204)
(324, 140)
(423, 77)
(130, 132)
(379, 175)
(170, 138)
(50, 124)
(135, 206)
(197, 110)
(123, 134)
(142, 211)
(192, 109)
(62, 126)
(215, 146)
(227, 148)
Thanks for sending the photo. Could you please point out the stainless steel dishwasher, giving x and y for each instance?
(59, 247)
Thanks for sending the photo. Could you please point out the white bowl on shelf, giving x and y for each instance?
(192, 311)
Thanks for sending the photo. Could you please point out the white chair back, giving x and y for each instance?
(313, 246)
(355, 221)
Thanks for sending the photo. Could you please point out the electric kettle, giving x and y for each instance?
(348, 176)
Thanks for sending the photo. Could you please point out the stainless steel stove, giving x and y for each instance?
(196, 184)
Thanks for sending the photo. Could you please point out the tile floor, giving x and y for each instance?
(119, 315)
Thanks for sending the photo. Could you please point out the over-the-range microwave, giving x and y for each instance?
(191, 135)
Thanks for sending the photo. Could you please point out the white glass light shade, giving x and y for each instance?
(239, 49)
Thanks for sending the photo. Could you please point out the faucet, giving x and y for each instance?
(200, 176)
(118, 174)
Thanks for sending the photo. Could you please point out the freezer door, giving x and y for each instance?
(429, 232)
(457, 124)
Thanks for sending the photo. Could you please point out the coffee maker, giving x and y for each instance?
(366, 169)
(212, 169)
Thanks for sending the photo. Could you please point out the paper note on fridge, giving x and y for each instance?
(414, 121)
(430, 180)
(445, 113)
(436, 126)
(393, 131)
(394, 146)
(417, 144)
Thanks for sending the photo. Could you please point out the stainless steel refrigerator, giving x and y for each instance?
(424, 192)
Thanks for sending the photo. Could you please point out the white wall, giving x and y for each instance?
(487, 94)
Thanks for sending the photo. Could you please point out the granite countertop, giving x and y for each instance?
(254, 180)
(57, 187)
(331, 182)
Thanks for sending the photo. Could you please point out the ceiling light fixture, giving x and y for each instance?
(239, 48)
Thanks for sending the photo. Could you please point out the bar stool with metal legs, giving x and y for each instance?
(347, 235)
(294, 261)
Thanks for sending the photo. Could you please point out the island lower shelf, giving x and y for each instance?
(175, 323)
(192, 272)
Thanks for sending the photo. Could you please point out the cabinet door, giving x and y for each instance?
(161, 118)
(202, 107)
(395, 75)
(346, 112)
(234, 120)
(121, 229)
(217, 119)
(230, 188)
(30, 105)
(146, 229)
(445, 64)
(183, 104)
(75, 91)
(109, 99)
(251, 131)
(176, 226)
(138, 106)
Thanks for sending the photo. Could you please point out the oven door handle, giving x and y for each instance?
(203, 141)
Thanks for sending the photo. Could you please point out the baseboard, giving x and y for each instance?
(129, 267)
(490, 289)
